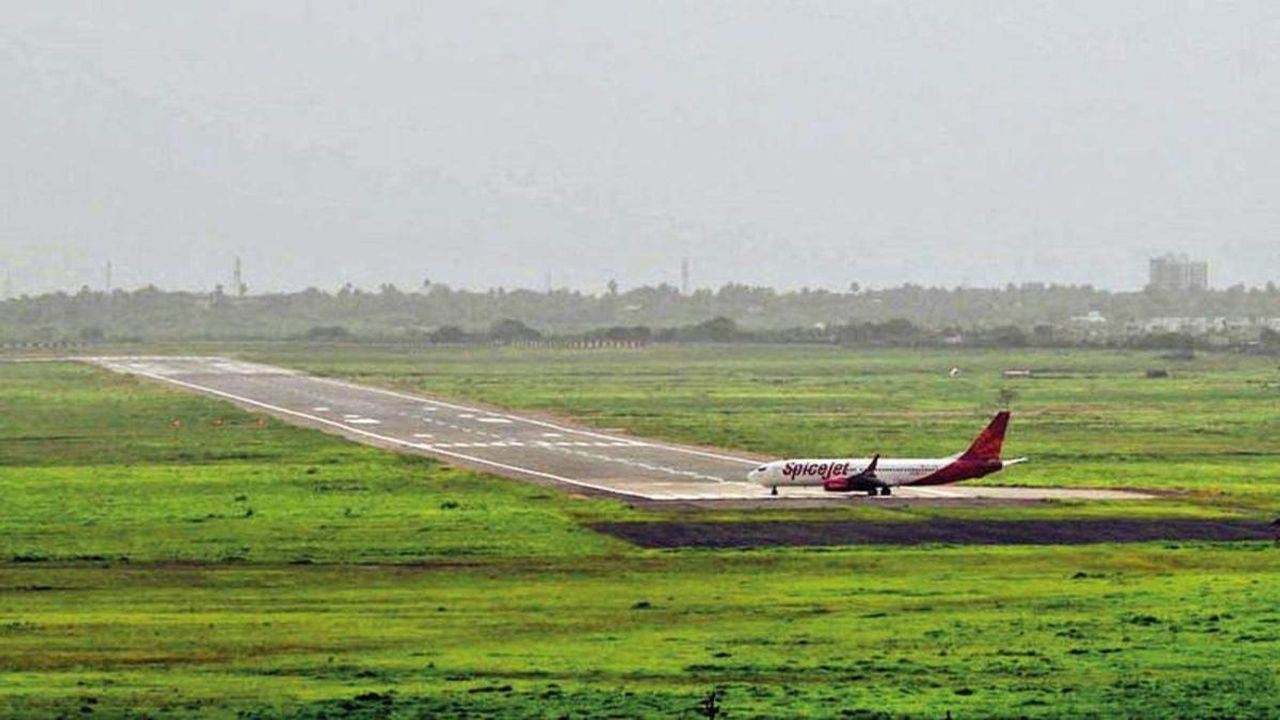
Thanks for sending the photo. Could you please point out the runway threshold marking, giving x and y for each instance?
(406, 443)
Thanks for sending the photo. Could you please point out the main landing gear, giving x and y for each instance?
(773, 491)
(883, 489)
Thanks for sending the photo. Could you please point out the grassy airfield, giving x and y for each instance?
(167, 554)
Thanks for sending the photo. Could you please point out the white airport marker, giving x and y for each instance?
(320, 409)
(423, 435)
(365, 421)
(496, 420)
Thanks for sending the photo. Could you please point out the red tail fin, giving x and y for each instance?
(987, 446)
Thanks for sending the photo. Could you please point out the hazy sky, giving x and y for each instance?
(484, 144)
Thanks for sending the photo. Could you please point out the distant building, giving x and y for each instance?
(1093, 318)
(1202, 325)
(1178, 273)
(1189, 325)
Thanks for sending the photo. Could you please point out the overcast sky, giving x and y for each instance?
(790, 144)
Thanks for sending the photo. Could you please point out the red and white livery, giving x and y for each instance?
(876, 475)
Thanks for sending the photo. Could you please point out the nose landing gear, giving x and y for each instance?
(773, 491)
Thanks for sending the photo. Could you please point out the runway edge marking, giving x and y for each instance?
(395, 440)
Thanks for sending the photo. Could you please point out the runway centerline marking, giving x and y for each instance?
(640, 464)
(531, 421)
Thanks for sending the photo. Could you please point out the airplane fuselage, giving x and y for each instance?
(813, 472)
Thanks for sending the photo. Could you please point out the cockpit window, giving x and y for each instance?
(762, 468)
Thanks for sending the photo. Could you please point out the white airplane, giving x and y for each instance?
(873, 475)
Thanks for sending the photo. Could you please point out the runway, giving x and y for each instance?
(510, 444)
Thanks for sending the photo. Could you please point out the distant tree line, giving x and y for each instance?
(898, 332)
(1024, 315)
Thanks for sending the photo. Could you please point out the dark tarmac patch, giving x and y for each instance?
(805, 533)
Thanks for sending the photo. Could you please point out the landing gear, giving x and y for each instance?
(871, 492)
(886, 491)
(774, 491)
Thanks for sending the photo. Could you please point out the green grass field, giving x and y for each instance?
(227, 564)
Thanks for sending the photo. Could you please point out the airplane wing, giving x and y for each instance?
(864, 480)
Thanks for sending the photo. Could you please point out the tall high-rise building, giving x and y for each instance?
(1178, 273)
